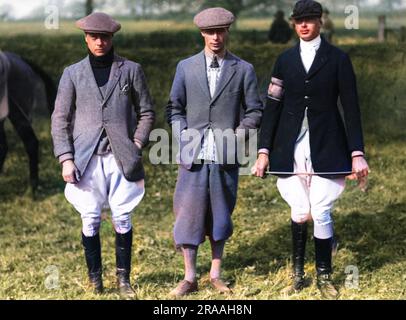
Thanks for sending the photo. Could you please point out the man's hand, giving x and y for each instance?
(361, 171)
(360, 168)
(68, 171)
(260, 165)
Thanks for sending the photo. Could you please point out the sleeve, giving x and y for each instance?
(61, 126)
(252, 103)
(143, 107)
(176, 106)
(273, 107)
(349, 100)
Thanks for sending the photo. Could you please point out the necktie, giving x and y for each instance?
(214, 63)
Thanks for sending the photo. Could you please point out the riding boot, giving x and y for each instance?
(299, 237)
(123, 262)
(323, 267)
(93, 260)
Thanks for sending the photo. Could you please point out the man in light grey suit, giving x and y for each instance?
(214, 93)
(102, 119)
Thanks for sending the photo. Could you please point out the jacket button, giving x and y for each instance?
(307, 81)
(306, 97)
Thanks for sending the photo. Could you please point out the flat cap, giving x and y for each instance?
(98, 22)
(213, 18)
(307, 9)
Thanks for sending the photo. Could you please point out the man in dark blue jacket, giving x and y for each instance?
(305, 140)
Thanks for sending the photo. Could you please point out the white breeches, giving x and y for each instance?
(104, 186)
(310, 196)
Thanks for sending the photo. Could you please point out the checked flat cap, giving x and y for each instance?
(213, 18)
(307, 9)
(98, 22)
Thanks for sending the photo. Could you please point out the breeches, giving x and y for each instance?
(104, 186)
(310, 196)
(204, 200)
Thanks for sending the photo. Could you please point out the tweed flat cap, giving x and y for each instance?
(307, 9)
(213, 18)
(98, 22)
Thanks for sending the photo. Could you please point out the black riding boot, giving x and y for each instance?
(323, 266)
(299, 237)
(93, 261)
(123, 262)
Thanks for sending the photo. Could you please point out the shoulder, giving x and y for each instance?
(242, 64)
(287, 54)
(339, 53)
(127, 64)
(78, 66)
(191, 59)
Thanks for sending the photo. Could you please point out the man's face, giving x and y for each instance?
(307, 28)
(215, 39)
(99, 43)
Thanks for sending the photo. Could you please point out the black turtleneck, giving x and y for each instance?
(101, 67)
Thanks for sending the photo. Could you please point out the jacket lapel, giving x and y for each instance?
(90, 79)
(320, 59)
(200, 72)
(115, 74)
(227, 72)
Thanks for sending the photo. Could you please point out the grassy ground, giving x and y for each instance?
(41, 256)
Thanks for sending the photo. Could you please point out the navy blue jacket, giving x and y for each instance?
(332, 137)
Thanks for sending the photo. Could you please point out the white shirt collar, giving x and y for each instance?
(310, 45)
(209, 59)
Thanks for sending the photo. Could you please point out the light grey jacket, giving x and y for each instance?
(235, 104)
(81, 113)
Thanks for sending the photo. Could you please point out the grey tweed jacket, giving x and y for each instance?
(81, 113)
(235, 104)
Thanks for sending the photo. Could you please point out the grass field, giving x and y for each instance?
(40, 240)
(41, 256)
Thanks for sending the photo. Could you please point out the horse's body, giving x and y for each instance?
(18, 91)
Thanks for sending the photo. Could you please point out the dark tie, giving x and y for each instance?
(214, 63)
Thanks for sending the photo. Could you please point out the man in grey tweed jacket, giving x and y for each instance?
(214, 93)
(102, 119)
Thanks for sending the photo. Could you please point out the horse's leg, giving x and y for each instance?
(3, 145)
(27, 135)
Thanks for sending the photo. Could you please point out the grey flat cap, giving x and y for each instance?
(307, 9)
(98, 22)
(213, 18)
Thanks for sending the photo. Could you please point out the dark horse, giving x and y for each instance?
(18, 92)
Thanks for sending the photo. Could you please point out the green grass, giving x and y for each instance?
(37, 234)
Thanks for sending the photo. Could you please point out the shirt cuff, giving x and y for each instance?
(139, 142)
(65, 156)
(263, 150)
(357, 153)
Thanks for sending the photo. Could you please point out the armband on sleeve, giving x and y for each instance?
(275, 89)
